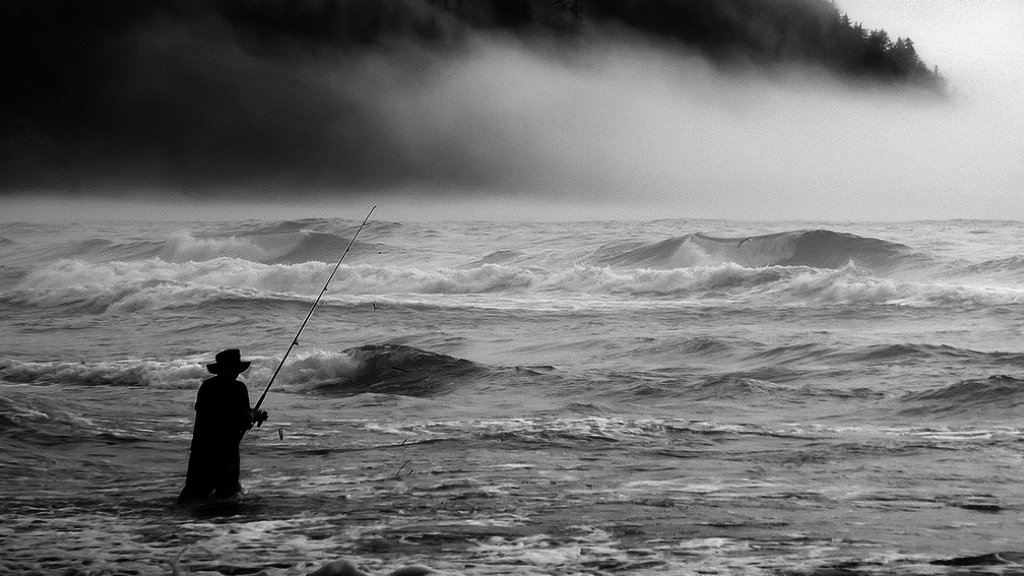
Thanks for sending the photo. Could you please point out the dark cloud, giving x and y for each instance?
(121, 94)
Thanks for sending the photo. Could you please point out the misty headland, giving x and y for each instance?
(579, 100)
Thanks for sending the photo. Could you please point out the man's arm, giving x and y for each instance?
(249, 416)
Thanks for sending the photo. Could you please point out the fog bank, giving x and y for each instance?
(623, 127)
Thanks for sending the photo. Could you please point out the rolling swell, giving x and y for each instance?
(310, 239)
(1012, 267)
(496, 257)
(263, 247)
(128, 373)
(826, 249)
(996, 395)
(812, 248)
(268, 243)
(386, 369)
(898, 354)
(318, 246)
(155, 284)
(34, 421)
(100, 250)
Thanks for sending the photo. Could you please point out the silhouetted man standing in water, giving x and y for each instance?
(222, 417)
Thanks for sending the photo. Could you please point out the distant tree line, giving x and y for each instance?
(853, 49)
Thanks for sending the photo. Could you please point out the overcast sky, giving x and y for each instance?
(631, 130)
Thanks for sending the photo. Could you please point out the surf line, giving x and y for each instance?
(295, 340)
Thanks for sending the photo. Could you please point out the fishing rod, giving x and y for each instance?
(295, 341)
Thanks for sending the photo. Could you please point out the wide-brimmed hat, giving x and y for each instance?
(228, 361)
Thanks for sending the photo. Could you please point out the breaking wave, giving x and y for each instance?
(380, 369)
(156, 284)
(253, 262)
(262, 247)
(127, 373)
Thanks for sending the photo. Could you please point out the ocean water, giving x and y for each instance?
(663, 397)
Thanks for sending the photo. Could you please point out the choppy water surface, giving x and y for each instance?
(669, 397)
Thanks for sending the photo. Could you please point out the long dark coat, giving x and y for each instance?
(222, 416)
